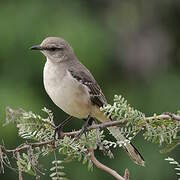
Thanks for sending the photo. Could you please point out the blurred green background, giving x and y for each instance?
(131, 47)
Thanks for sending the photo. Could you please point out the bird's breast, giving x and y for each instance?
(65, 91)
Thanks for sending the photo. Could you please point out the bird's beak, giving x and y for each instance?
(36, 47)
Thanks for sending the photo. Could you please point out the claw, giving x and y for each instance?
(83, 131)
(84, 128)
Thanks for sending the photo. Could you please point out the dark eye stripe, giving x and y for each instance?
(53, 48)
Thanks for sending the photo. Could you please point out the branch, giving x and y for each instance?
(107, 169)
(166, 115)
(22, 147)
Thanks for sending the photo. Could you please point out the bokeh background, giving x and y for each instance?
(131, 47)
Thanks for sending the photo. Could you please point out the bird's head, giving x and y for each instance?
(55, 49)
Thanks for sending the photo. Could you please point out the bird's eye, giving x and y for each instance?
(53, 49)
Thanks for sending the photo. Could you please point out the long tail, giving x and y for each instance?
(129, 147)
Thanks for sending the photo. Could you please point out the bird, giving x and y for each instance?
(72, 87)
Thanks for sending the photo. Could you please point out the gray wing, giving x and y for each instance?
(85, 77)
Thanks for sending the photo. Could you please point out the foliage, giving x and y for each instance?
(177, 168)
(56, 170)
(39, 131)
(155, 129)
(30, 125)
(34, 127)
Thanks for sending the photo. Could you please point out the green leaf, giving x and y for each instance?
(171, 146)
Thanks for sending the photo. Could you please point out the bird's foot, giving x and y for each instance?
(84, 128)
(82, 131)
(58, 129)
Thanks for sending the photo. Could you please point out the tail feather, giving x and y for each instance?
(131, 150)
(128, 147)
(134, 154)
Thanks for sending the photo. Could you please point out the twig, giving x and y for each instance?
(105, 168)
(126, 174)
(1, 161)
(166, 115)
(56, 165)
(26, 146)
(19, 166)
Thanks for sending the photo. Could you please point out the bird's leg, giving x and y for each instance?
(83, 130)
(90, 122)
(58, 129)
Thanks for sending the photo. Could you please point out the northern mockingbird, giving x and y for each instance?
(72, 87)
